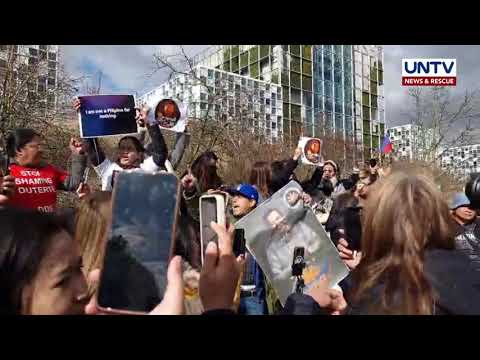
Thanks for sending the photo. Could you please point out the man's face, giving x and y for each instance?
(278, 222)
(241, 205)
(465, 214)
(328, 172)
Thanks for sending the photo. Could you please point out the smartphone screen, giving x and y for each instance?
(140, 242)
(353, 228)
(239, 242)
(208, 213)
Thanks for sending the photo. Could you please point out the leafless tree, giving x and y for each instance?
(444, 120)
(28, 100)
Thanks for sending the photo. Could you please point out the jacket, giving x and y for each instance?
(281, 178)
(336, 219)
(467, 240)
(455, 280)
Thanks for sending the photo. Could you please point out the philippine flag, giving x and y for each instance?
(387, 146)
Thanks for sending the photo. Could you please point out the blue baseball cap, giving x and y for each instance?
(458, 200)
(246, 190)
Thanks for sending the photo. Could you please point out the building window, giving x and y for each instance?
(295, 49)
(295, 64)
(33, 52)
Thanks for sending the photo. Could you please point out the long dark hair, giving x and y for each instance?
(204, 168)
(261, 177)
(24, 240)
(17, 139)
(187, 238)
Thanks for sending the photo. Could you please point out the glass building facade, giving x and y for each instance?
(369, 97)
(325, 88)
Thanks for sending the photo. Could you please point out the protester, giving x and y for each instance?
(331, 172)
(467, 234)
(201, 177)
(130, 153)
(92, 220)
(252, 295)
(38, 182)
(409, 263)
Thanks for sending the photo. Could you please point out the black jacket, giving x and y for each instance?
(467, 240)
(454, 278)
(336, 220)
(282, 177)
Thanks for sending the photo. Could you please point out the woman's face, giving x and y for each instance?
(128, 154)
(31, 154)
(59, 288)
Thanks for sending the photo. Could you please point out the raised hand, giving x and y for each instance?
(221, 271)
(77, 146)
(77, 104)
(297, 153)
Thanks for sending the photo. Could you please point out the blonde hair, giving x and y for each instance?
(404, 215)
(91, 225)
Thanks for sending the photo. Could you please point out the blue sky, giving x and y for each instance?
(130, 68)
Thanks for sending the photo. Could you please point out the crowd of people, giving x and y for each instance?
(408, 250)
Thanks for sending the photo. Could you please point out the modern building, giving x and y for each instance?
(226, 96)
(461, 161)
(46, 75)
(411, 142)
(325, 88)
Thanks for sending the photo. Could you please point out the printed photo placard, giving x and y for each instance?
(311, 151)
(279, 225)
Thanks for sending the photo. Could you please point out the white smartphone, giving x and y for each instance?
(212, 208)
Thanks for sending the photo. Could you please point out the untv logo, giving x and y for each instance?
(429, 72)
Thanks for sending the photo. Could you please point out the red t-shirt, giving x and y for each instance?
(36, 188)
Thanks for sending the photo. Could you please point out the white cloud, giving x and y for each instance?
(124, 67)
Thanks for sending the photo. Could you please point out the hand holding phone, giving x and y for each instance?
(220, 272)
(140, 244)
(173, 300)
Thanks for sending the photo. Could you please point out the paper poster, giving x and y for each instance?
(169, 113)
(311, 151)
(276, 227)
(107, 115)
